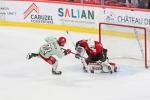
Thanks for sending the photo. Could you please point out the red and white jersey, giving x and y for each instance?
(93, 51)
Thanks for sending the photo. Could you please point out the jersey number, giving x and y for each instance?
(46, 48)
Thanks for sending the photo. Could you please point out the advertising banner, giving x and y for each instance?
(69, 15)
(127, 17)
(50, 13)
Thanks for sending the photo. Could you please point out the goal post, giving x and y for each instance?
(142, 46)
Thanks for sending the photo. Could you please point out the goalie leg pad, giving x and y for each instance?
(85, 67)
(114, 67)
(106, 67)
(94, 67)
(109, 67)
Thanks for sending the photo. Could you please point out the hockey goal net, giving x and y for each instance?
(130, 44)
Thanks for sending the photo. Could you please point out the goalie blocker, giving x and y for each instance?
(97, 60)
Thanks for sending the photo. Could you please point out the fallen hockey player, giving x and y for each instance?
(97, 60)
(47, 51)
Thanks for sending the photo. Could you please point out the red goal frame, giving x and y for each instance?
(139, 27)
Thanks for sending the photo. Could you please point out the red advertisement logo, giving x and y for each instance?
(31, 8)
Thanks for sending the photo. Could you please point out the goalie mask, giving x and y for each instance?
(62, 41)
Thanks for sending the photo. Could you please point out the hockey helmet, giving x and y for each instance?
(62, 41)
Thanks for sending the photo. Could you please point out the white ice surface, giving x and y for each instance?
(22, 79)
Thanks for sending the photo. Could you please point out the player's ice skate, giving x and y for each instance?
(30, 55)
(56, 72)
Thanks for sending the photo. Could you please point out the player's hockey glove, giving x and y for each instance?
(67, 51)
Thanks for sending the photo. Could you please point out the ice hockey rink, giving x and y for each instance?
(22, 79)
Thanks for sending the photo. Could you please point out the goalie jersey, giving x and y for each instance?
(94, 49)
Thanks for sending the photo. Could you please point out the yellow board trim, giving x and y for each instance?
(50, 26)
(69, 28)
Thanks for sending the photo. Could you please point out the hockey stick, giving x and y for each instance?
(73, 45)
(79, 55)
(75, 54)
(70, 38)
